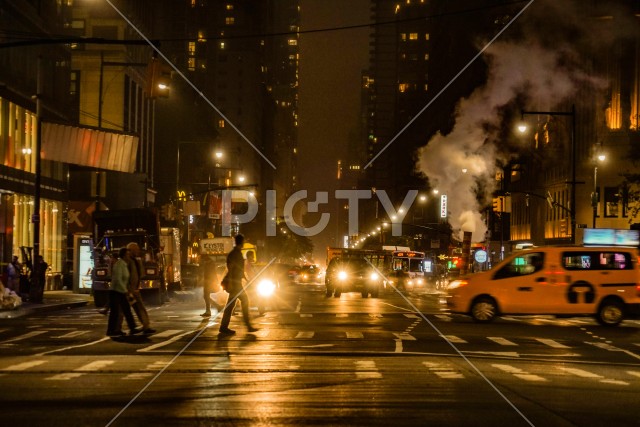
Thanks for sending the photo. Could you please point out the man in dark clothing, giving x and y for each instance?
(235, 267)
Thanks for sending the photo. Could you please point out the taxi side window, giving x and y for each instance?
(597, 261)
(522, 265)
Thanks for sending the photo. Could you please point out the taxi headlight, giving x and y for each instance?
(266, 288)
(410, 282)
(419, 282)
(342, 275)
(374, 276)
(457, 284)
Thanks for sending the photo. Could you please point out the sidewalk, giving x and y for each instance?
(51, 301)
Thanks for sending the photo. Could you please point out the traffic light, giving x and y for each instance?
(496, 204)
(158, 79)
(453, 263)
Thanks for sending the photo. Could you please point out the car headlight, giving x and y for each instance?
(419, 282)
(457, 284)
(374, 276)
(410, 282)
(342, 275)
(266, 288)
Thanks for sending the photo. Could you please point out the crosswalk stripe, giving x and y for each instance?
(501, 341)
(634, 373)
(411, 316)
(404, 336)
(551, 343)
(454, 339)
(580, 372)
(95, 365)
(519, 373)
(342, 315)
(305, 334)
(306, 315)
(24, 365)
(72, 334)
(167, 333)
(65, 377)
(355, 335)
(25, 336)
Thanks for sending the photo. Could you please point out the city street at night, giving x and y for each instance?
(321, 361)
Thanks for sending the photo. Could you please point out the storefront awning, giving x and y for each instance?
(89, 147)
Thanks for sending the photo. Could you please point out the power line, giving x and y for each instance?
(54, 39)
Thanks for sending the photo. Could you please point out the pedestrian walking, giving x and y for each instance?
(235, 267)
(135, 272)
(118, 298)
(210, 280)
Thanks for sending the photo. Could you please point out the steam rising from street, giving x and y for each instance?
(540, 78)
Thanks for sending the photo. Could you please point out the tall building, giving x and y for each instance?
(25, 60)
(242, 60)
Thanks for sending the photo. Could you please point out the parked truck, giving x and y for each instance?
(115, 229)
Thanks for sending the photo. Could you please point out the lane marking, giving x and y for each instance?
(551, 343)
(519, 373)
(445, 371)
(95, 366)
(164, 343)
(306, 315)
(305, 334)
(501, 341)
(398, 346)
(354, 335)
(25, 336)
(23, 366)
(342, 315)
(72, 334)
(454, 339)
(404, 336)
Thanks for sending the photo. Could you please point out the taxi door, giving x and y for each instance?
(520, 286)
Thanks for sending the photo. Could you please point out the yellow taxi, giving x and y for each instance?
(565, 281)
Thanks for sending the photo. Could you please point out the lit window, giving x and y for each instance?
(222, 45)
(229, 7)
(202, 36)
(293, 42)
(403, 37)
(413, 36)
(229, 20)
(426, 87)
(191, 64)
(426, 36)
(221, 123)
(402, 87)
(426, 56)
(192, 48)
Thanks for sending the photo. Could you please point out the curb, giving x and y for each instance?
(40, 308)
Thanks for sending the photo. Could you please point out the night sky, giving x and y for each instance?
(331, 63)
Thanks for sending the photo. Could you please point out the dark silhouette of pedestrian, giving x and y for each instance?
(118, 298)
(235, 267)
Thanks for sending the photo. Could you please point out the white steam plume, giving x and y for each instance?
(544, 77)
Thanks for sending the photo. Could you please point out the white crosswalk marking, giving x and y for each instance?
(95, 365)
(634, 373)
(367, 369)
(405, 336)
(551, 343)
(580, 372)
(375, 315)
(167, 333)
(24, 365)
(444, 371)
(72, 334)
(25, 336)
(444, 317)
(355, 335)
(411, 316)
(306, 315)
(342, 315)
(501, 341)
(65, 376)
(305, 334)
(519, 373)
(454, 339)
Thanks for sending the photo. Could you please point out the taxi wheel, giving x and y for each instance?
(610, 313)
(484, 310)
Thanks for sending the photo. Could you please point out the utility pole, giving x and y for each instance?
(37, 289)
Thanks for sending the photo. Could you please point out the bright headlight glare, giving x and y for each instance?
(342, 275)
(266, 288)
(457, 284)
(374, 276)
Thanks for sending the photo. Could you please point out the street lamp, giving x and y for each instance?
(522, 128)
(595, 196)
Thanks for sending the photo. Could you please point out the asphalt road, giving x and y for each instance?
(395, 360)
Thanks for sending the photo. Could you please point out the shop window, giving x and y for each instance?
(611, 198)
